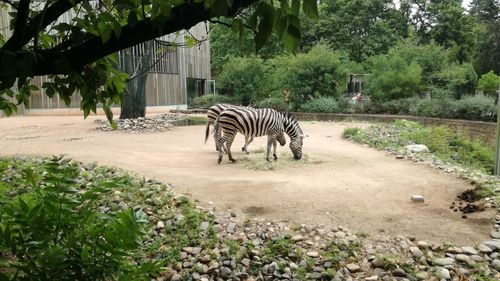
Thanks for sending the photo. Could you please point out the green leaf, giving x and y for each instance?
(295, 7)
(104, 31)
(109, 113)
(266, 13)
(310, 8)
(117, 28)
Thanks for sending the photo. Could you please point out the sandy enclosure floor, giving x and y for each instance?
(350, 185)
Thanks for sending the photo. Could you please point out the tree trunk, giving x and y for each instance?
(133, 104)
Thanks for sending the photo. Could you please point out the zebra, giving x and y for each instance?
(259, 122)
(213, 114)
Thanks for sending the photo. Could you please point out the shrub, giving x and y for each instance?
(476, 108)
(274, 103)
(52, 230)
(489, 83)
(244, 79)
(207, 101)
(321, 105)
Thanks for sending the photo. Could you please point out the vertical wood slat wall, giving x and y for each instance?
(161, 89)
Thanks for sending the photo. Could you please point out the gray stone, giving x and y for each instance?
(315, 275)
(204, 226)
(340, 234)
(477, 258)
(416, 252)
(495, 234)
(469, 250)
(494, 244)
(422, 245)
(160, 225)
(312, 254)
(484, 249)
(417, 148)
(444, 261)
(443, 273)
(423, 275)
(417, 198)
(496, 264)
(245, 262)
(462, 257)
(231, 227)
(176, 277)
(399, 272)
(298, 238)
(352, 267)
(225, 272)
(372, 278)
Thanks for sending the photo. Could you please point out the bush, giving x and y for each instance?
(274, 103)
(244, 79)
(207, 101)
(321, 105)
(50, 229)
(476, 108)
(489, 83)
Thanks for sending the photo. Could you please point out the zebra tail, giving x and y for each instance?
(207, 131)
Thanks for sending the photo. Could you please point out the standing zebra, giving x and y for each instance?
(212, 115)
(256, 123)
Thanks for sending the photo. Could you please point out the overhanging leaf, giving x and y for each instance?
(310, 8)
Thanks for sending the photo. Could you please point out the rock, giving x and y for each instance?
(462, 257)
(484, 249)
(444, 261)
(352, 267)
(496, 264)
(399, 272)
(176, 277)
(231, 227)
(495, 234)
(245, 262)
(423, 275)
(416, 252)
(312, 254)
(225, 272)
(469, 250)
(204, 226)
(417, 198)
(372, 278)
(443, 273)
(477, 258)
(494, 244)
(160, 225)
(298, 238)
(340, 234)
(417, 148)
(422, 245)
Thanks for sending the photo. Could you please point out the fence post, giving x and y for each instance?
(497, 154)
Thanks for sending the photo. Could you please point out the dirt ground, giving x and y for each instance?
(357, 187)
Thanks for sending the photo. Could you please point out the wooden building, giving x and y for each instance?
(178, 75)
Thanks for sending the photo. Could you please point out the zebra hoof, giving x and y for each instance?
(232, 160)
(243, 149)
(267, 159)
(275, 157)
(219, 161)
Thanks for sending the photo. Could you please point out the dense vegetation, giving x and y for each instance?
(415, 50)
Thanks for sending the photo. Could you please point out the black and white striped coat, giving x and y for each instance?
(256, 123)
(212, 115)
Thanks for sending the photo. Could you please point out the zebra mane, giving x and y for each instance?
(288, 116)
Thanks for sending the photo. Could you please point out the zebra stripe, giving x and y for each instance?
(212, 115)
(259, 122)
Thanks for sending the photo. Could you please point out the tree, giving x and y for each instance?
(485, 10)
(446, 23)
(362, 28)
(78, 51)
(488, 83)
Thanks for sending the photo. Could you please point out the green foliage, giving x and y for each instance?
(446, 144)
(282, 246)
(243, 79)
(393, 77)
(489, 83)
(274, 103)
(52, 230)
(321, 105)
(207, 101)
(320, 72)
(476, 108)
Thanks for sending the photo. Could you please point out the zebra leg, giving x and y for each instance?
(229, 142)
(247, 142)
(270, 141)
(274, 151)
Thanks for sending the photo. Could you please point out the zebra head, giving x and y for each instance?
(294, 131)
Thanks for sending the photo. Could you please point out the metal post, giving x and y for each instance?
(497, 154)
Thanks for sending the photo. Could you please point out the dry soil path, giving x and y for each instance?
(354, 186)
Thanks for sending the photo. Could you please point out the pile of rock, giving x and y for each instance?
(158, 123)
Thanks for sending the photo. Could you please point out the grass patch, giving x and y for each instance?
(256, 160)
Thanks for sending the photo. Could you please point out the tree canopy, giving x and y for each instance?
(80, 51)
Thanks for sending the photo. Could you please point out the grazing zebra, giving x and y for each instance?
(213, 114)
(256, 123)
